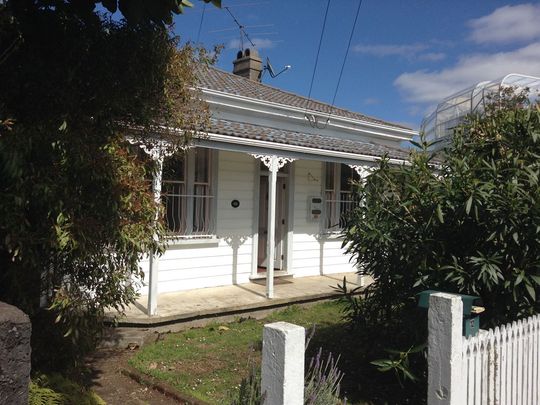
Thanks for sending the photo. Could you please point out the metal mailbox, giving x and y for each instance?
(315, 208)
(471, 312)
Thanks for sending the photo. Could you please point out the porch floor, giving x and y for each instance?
(211, 302)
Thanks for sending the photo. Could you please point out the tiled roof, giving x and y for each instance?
(219, 80)
(280, 136)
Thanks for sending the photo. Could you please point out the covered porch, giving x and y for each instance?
(215, 302)
(273, 199)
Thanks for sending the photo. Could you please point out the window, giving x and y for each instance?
(187, 193)
(338, 194)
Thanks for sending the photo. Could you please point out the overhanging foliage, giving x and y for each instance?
(77, 212)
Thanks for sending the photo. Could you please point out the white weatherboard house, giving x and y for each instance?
(270, 180)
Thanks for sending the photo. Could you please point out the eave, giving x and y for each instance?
(285, 116)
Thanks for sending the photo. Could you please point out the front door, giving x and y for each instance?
(281, 224)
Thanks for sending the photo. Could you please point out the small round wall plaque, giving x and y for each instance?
(235, 203)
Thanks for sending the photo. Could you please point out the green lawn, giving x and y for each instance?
(208, 362)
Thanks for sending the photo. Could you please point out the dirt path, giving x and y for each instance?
(114, 387)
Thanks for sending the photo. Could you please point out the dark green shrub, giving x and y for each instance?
(465, 222)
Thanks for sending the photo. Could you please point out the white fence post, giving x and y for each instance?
(283, 364)
(445, 341)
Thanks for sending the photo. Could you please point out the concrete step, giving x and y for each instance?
(277, 274)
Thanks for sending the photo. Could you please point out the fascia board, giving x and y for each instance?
(298, 119)
(267, 107)
(271, 148)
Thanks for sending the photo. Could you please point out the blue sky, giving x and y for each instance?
(404, 56)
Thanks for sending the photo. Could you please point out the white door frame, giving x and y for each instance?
(281, 229)
(274, 163)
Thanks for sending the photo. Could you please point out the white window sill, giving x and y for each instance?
(202, 240)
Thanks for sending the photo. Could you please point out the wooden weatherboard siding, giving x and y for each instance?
(228, 258)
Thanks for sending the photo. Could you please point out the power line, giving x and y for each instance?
(200, 24)
(318, 51)
(346, 54)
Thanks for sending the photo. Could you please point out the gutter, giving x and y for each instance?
(297, 149)
(405, 134)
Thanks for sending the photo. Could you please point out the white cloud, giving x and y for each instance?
(407, 51)
(390, 50)
(425, 86)
(507, 24)
(371, 101)
(432, 56)
(260, 43)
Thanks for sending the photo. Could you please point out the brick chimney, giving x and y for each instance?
(248, 64)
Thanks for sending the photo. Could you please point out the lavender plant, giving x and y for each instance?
(321, 382)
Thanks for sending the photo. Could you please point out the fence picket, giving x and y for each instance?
(503, 365)
(492, 367)
(483, 376)
(477, 371)
(536, 360)
(500, 366)
(524, 340)
(465, 367)
(513, 363)
(519, 362)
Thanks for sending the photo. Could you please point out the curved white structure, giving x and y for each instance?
(452, 110)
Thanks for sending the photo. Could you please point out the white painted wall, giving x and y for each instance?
(228, 259)
(313, 254)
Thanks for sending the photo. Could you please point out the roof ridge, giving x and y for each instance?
(332, 108)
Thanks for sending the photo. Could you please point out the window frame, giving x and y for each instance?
(190, 194)
(337, 193)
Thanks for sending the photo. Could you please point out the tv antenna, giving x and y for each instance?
(268, 68)
(242, 29)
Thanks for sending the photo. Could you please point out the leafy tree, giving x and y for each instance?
(464, 221)
(159, 12)
(77, 212)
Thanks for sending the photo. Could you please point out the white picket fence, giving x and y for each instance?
(500, 366)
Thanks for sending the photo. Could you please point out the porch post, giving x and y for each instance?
(153, 265)
(274, 163)
(158, 150)
(272, 181)
(363, 172)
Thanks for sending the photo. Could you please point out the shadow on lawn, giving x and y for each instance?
(362, 382)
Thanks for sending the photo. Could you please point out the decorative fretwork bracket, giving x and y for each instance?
(269, 160)
(363, 171)
(157, 149)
